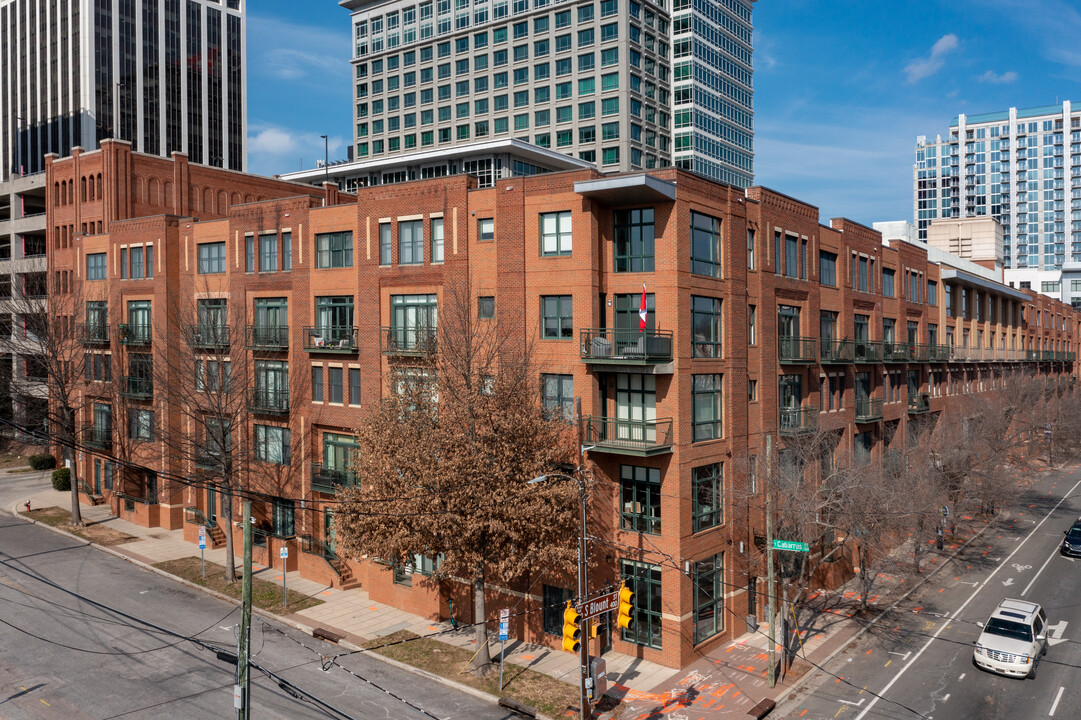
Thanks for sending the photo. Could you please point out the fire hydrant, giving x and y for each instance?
(27, 506)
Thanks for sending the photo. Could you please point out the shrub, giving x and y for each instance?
(62, 479)
(44, 461)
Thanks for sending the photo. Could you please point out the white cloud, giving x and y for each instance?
(274, 150)
(925, 67)
(995, 79)
(292, 52)
(272, 141)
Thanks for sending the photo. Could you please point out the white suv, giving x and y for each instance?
(1012, 640)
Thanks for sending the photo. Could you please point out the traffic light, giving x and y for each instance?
(572, 630)
(625, 619)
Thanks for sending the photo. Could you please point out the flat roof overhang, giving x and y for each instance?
(969, 280)
(627, 190)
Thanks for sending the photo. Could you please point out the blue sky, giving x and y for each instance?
(842, 87)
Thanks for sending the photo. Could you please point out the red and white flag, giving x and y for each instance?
(642, 311)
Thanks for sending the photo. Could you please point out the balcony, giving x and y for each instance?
(93, 333)
(268, 337)
(330, 339)
(207, 337)
(268, 401)
(795, 350)
(919, 353)
(138, 335)
(641, 438)
(797, 420)
(938, 353)
(330, 480)
(919, 404)
(98, 437)
(137, 387)
(894, 352)
(408, 341)
(868, 352)
(868, 409)
(207, 459)
(837, 351)
(625, 347)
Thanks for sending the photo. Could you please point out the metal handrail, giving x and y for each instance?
(135, 334)
(631, 345)
(315, 546)
(868, 409)
(206, 335)
(628, 434)
(93, 333)
(268, 400)
(404, 340)
(98, 437)
(867, 351)
(919, 403)
(797, 420)
(794, 349)
(330, 338)
(328, 480)
(837, 351)
(137, 386)
(195, 516)
(268, 336)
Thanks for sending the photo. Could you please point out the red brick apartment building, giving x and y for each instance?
(760, 320)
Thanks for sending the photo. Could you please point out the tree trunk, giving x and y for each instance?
(227, 510)
(70, 454)
(482, 661)
(917, 541)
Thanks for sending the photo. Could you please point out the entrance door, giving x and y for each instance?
(272, 383)
(329, 534)
(271, 321)
(97, 477)
(212, 504)
(790, 388)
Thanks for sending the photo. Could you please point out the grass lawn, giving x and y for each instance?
(265, 595)
(61, 519)
(548, 695)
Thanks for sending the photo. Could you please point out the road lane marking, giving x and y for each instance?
(957, 613)
(962, 677)
(1045, 562)
(946, 697)
(849, 702)
(1007, 582)
(1055, 704)
(904, 656)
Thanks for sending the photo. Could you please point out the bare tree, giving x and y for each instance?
(446, 457)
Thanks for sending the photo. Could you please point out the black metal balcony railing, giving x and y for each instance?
(98, 437)
(868, 352)
(413, 341)
(837, 351)
(134, 334)
(93, 333)
(791, 349)
(627, 346)
(138, 387)
(629, 437)
(207, 459)
(268, 337)
(919, 403)
(938, 353)
(797, 420)
(269, 401)
(893, 352)
(330, 339)
(207, 336)
(868, 409)
(329, 480)
(919, 353)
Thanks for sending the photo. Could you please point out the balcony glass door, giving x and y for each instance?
(790, 388)
(863, 389)
(212, 503)
(636, 408)
(213, 320)
(139, 320)
(97, 320)
(337, 454)
(788, 330)
(271, 383)
(334, 318)
(271, 320)
(413, 318)
(103, 422)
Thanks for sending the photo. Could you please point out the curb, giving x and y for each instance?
(306, 629)
(783, 697)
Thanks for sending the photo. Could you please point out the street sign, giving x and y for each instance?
(202, 537)
(504, 624)
(598, 605)
(284, 552)
(791, 545)
(945, 511)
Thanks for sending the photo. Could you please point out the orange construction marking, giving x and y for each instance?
(373, 607)
(527, 657)
(803, 713)
(867, 653)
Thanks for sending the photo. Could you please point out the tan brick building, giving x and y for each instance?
(761, 320)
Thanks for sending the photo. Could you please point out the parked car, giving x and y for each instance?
(1071, 544)
(1013, 639)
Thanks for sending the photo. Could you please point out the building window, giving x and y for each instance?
(212, 258)
(634, 240)
(887, 282)
(137, 271)
(791, 261)
(287, 251)
(705, 327)
(486, 230)
(335, 384)
(283, 518)
(557, 395)
(706, 401)
(750, 249)
(249, 254)
(486, 307)
(384, 244)
(644, 580)
(640, 498)
(555, 229)
(334, 250)
(708, 597)
(96, 266)
(272, 444)
(317, 383)
(827, 268)
(751, 322)
(437, 240)
(411, 242)
(705, 245)
(354, 386)
(140, 424)
(557, 317)
(268, 253)
(707, 496)
(555, 601)
(932, 292)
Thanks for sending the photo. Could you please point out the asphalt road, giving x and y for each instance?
(72, 647)
(917, 661)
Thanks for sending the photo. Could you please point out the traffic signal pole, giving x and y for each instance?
(583, 584)
(772, 675)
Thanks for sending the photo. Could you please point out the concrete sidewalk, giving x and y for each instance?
(725, 684)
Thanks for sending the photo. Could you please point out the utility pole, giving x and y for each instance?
(771, 677)
(243, 689)
(583, 584)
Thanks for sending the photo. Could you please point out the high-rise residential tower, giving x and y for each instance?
(164, 75)
(1021, 167)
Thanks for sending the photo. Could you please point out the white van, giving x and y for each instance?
(1013, 639)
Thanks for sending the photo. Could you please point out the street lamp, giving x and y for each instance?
(326, 159)
(583, 650)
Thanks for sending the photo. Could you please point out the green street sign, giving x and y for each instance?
(791, 545)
